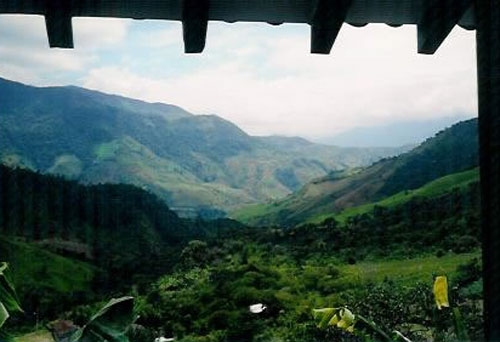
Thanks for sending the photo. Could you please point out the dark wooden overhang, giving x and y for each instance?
(434, 19)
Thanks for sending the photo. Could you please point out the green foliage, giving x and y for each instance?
(118, 227)
(138, 333)
(70, 244)
(459, 325)
(450, 151)
(8, 300)
(109, 324)
(200, 303)
(195, 280)
(435, 188)
(391, 308)
(446, 155)
(8, 297)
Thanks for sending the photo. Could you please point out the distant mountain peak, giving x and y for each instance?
(188, 160)
(408, 132)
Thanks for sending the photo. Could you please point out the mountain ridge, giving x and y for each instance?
(451, 150)
(403, 132)
(188, 160)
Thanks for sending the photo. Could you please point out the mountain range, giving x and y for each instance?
(409, 132)
(450, 151)
(190, 161)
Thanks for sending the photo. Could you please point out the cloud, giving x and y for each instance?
(159, 35)
(25, 54)
(102, 33)
(270, 84)
(261, 77)
(125, 82)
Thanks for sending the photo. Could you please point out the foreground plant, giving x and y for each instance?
(109, 324)
(440, 290)
(342, 318)
(8, 300)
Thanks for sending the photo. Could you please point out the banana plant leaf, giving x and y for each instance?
(8, 301)
(109, 324)
(8, 295)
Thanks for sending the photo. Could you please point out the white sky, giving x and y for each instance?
(258, 76)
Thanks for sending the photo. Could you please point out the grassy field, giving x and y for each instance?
(29, 263)
(251, 213)
(246, 213)
(431, 189)
(409, 271)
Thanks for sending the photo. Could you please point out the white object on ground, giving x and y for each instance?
(164, 339)
(257, 308)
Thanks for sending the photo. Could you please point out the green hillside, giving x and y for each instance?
(369, 238)
(376, 263)
(70, 244)
(32, 267)
(450, 151)
(191, 161)
(195, 280)
(46, 283)
(435, 188)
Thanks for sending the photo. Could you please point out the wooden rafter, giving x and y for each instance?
(437, 21)
(195, 24)
(327, 19)
(58, 24)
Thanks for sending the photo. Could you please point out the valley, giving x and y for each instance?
(450, 151)
(195, 279)
(90, 196)
(191, 161)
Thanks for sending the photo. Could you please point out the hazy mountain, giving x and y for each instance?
(452, 150)
(395, 134)
(188, 160)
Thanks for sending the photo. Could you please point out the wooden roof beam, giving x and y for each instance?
(438, 19)
(58, 24)
(195, 24)
(327, 19)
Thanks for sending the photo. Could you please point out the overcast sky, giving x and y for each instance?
(258, 76)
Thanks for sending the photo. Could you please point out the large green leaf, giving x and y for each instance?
(109, 324)
(8, 295)
(4, 314)
(8, 300)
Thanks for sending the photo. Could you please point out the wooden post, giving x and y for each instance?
(488, 74)
(194, 24)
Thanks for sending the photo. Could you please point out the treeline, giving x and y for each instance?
(436, 157)
(195, 279)
(450, 222)
(119, 228)
(125, 235)
(293, 270)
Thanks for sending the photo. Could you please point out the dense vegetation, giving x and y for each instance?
(113, 230)
(368, 238)
(451, 150)
(195, 280)
(331, 264)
